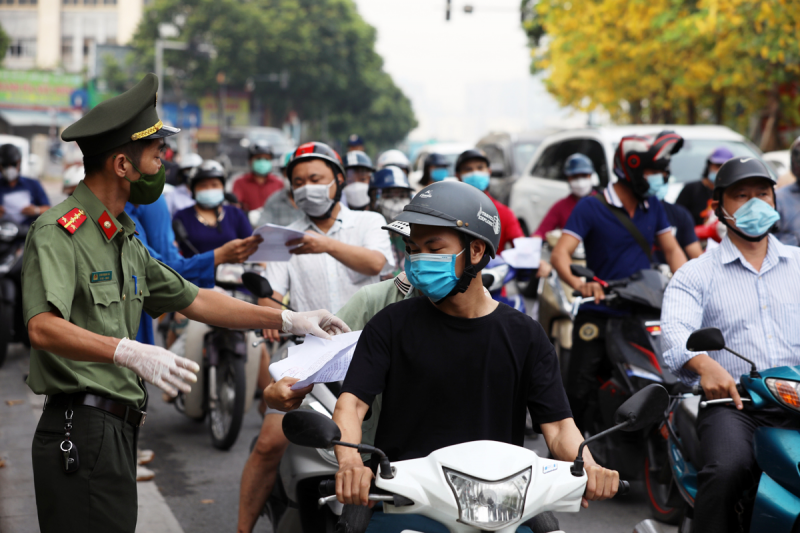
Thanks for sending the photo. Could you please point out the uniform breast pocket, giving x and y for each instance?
(105, 311)
(140, 288)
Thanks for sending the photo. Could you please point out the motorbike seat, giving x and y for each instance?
(686, 427)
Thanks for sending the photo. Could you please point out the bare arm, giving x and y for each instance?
(672, 251)
(362, 260)
(694, 250)
(217, 309)
(51, 333)
(562, 259)
(564, 440)
(353, 479)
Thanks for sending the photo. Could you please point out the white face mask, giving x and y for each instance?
(391, 207)
(357, 194)
(580, 187)
(314, 200)
(10, 173)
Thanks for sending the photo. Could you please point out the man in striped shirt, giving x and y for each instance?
(749, 288)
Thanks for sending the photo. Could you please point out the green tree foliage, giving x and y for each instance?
(5, 42)
(336, 78)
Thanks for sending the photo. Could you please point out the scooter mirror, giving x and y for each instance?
(581, 271)
(257, 284)
(706, 339)
(643, 408)
(487, 280)
(310, 429)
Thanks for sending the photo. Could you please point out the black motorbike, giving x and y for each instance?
(635, 352)
(12, 243)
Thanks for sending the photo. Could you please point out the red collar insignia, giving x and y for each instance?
(72, 220)
(107, 225)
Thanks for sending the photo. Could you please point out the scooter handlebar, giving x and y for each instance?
(624, 488)
(327, 487)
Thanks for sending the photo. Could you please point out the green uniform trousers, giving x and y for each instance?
(101, 495)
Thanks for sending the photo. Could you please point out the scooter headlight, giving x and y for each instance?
(8, 231)
(787, 392)
(489, 505)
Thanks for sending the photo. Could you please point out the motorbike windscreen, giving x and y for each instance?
(646, 287)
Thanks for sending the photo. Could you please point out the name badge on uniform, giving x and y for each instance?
(97, 277)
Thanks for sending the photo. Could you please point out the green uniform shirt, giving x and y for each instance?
(100, 278)
(359, 310)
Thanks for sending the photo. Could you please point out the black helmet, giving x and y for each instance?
(357, 158)
(259, 148)
(636, 153)
(435, 160)
(794, 164)
(208, 169)
(315, 150)
(472, 153)
(738, 169)
(9, 155)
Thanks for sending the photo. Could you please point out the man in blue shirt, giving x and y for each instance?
(641, 165)
(21, 199)
(749, 288)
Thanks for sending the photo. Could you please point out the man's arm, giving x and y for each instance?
(562, 260)
(353, 478)
(694, 250)
(51, 333)
(564, 439)
(362, 260)
(217, 309)
(672, 250)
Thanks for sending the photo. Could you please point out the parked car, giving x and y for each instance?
(449, 150)
(509, 155)
(543, 182)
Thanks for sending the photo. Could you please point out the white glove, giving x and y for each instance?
(158, 366)
(314, 322)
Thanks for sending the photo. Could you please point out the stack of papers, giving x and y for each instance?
(274, 248)
(14, 203)
(526, 253)
(317, 360)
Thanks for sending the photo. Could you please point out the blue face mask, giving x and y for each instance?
(210, 198)
(262, 166)
(754, 218)
(712, 175)
(433, 274)
(658, 186)
(477, 179)
(438, 174)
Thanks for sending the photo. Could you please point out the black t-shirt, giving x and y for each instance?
(681, 221)
(448, 380)
(696, 198)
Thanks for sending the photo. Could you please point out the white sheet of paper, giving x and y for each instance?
(274, 246)
(317, 360)
(526, 253)
(14, 203)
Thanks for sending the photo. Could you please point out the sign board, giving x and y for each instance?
(237, 113)
(34, 88)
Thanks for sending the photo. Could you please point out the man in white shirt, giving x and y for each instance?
(342, 251)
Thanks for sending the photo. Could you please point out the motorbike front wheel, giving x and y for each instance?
(226, 413)
(658, 496)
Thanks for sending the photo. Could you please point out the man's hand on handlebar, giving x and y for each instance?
(279, 395)
(601, 485)
(717, 382)
(352, 483)
(590, 289)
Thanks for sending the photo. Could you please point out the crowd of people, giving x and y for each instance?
(400, 261)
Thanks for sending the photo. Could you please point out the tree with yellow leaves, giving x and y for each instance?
(733, 62)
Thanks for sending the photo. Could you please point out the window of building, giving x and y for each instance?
(70, 2)
(110, 2)
(66, 49)
(22, 48)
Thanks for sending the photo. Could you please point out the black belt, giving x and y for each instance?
(130, 415)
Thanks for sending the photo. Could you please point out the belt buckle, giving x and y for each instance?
(144, 417)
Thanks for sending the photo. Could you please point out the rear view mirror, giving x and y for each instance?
(257, 284)
(310, 429)
(581, 271)
(643, 408)
(704, 340)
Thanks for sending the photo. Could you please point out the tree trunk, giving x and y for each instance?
(719, 108)
(636, 111)
(667, 116)
(691, 112)
(769, 138)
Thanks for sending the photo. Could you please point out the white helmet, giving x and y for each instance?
(394, 157)
(190, 160)
(73, 175)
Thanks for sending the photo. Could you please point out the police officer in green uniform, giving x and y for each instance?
(86, 280)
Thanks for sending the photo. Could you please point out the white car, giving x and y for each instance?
(543, 183)
(450, 150)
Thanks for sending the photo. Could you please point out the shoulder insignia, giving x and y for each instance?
(72, 220)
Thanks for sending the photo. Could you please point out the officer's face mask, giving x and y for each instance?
(433, 274)
(148, 188)
(10, 174)
(477, 179)
(357, 194)
(580, 187)
(658, 185)
(210, 198)
(754, 218)
(314, 200)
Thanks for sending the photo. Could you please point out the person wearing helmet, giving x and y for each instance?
(279, 209)
(443, 343)
(614, 250)
(578, 169)
(180, 197)
(355, 143)
(396, 158)
(435, 168)
(253, 188)
(358, 168)
(22, 199)
(748, 287)
(472, 167)
(788, 199)
(210, 224)
(73, 175)
(389, 193)
(168, 154)
(696, 196)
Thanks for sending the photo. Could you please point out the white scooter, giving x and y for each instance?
(480, 485)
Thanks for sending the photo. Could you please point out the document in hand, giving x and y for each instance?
(526, 253)
(273, 247)
(317, 360)
(14, 203)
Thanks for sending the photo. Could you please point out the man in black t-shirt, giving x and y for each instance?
(696, 196)
(453, 366)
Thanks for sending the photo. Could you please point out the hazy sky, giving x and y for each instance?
(466, 76)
